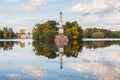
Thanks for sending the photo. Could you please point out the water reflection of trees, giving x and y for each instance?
(73, 48)
(50, 50)
(99, 44)
(6, 45)
(45, 49)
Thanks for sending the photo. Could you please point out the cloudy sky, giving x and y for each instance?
(89, 13)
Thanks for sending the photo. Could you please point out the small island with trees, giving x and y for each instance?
(48, 30)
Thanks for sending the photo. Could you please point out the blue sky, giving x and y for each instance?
(89, 13)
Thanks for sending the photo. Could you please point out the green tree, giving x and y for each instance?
(1, 34)
(45, 31)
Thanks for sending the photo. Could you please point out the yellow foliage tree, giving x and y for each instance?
(75, 32)
(22, 31)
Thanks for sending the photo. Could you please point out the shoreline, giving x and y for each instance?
(84, 39)
(101, 39)
(22, 40)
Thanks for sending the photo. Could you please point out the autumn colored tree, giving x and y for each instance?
(22, 31)
(73, 30)
(4, 32)
(98, 35)
(7, 33)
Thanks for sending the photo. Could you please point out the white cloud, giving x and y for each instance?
(104, 66)
(101, 6)
(81, 7)
(12, 1)
(33, 4)
(90, 19)
(104, 72)
(7, 9)
(96, 7)
(98, 12)
(28, 5)
(24, 20)
(27, 23)
(33, 71)
(114, 20)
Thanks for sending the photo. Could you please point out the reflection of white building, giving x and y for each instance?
(26, 36)
(61, 40)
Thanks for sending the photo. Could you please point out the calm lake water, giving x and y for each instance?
(88, 60)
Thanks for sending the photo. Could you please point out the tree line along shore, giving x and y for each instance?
(46, 31)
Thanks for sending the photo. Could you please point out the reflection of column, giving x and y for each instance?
(61, 40)
(60, 55)
(61, 50)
